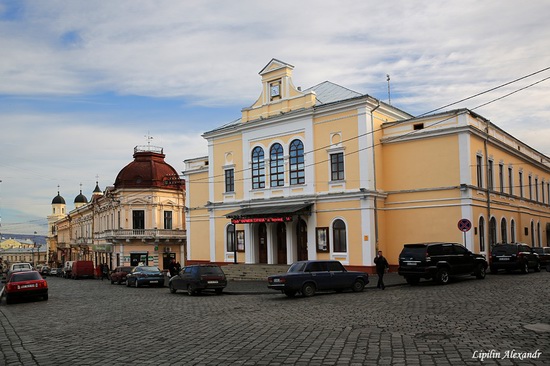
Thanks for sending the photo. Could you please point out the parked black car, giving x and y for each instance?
(439, 261)
(306, 277)
(196, 278)
(544, 257)
(145, 275)
(515, 256)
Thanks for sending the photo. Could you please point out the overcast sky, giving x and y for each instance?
(83, 82)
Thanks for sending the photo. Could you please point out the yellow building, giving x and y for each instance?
(329, 173)
(139, 219)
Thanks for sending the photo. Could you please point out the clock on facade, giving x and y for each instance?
(275, 90)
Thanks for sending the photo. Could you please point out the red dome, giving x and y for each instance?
(148, 170)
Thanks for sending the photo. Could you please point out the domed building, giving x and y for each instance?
(139, 219)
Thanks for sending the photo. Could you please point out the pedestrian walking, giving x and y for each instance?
(381, 267)
(104, 271)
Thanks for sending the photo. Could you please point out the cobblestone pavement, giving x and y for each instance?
(91, 322)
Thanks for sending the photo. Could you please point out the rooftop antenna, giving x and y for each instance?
(149, 138)
(389, 95)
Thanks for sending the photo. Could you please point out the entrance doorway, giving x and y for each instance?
(166, 259)
(281, 243)
(301, 232)
(262, 243)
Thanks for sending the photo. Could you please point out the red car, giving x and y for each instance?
(120, 273)
(29, 284)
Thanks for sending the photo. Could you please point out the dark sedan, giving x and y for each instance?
(22, 285)
(119, 274)
(306, 277)
(145, 275)
(196, 278)
(544, 256)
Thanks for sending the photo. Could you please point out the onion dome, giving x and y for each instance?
(80, 198)
(58, 200)
(148, 170)
(97, 190)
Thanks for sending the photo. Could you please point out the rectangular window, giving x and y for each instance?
(337, 166)
(230, 180)
(168, 220)
(530, 187)
(537, 189)
(479, 170)
(490, 185)
(510, 181)
(521, 184)
(542, 191)
(501, 177)
(138, 219)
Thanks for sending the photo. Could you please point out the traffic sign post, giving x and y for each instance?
(464, 225)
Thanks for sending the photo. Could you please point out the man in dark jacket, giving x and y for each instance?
(381, 265)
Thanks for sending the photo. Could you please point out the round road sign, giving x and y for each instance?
(464, 225)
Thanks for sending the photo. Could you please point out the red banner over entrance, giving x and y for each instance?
(255, 220)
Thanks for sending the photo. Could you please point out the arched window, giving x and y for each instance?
(539, 234)
(339, 236)
(512, 231)
(481, 234)
(492, 232)
(276, 166)
(258, 168)
(230, 238)
(503, 231)
(297, 172)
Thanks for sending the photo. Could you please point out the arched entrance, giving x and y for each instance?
(301, 232)
(281, 243)
(262, 243)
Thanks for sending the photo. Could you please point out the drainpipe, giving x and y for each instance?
(374, 177)
(485, 143)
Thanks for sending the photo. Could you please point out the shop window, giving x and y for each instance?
(276, 166)
(297, 167)
(258, 168)
(339, 236)
(230, 238)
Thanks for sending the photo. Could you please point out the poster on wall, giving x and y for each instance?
(240, 240)
(322, 239)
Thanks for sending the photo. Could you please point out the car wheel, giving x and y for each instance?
(45, 297)
(8, 299)
(119, 282)
(308, 289)
(358, 286)
(537, 267)
(525, 268)
(548, 268)
(412, 280)
(112, 282)
(494, 270)
(290, 293)
(127, 283)
(191, 290)
(442, 276)
(136, 283)
(480, 272)
(219, 291)
(172, 289)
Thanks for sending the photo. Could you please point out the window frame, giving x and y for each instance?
(168, 220)
(276, 166)
(337, 167)
(338, 235)
(297, 173)
(258, 168)
(229, 175)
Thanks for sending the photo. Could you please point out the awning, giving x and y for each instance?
(281, 213)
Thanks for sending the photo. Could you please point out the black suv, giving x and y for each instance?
(514, 256)
(544, 257)
(439, 261)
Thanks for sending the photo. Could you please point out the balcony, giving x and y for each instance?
(142, 234)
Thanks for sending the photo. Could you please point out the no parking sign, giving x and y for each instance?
(464, 225)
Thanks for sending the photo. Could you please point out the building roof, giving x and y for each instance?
(80, 198)
(58, 199)
(328, 92)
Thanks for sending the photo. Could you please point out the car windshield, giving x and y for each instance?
(126, 269)
(211, 270)
(25, 276)
(297, 267)
(414, 252)
(538, 250)
(21, 266)
(147, 269)
(505, 249)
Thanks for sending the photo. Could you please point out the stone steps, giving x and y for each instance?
(258, 272)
